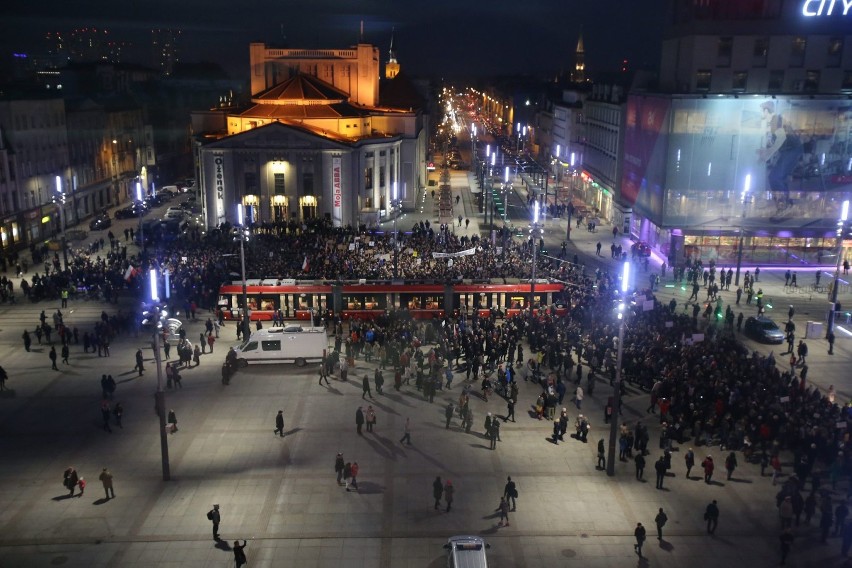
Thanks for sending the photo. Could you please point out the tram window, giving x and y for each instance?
(252, 302)
(517, 301)
(371, 303)
(433, 302)
(414, 303)
(353, 302)
(267, 304)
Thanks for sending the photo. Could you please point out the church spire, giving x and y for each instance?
(580, 61)
(392, 66)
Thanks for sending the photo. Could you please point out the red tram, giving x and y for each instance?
(368, 300)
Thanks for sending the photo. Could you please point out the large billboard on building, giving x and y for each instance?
(721, 159)
(336, 192)
(645, 141)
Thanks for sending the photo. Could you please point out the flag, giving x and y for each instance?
(305, 265)
(129, 273)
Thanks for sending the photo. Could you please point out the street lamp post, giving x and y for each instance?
(841, 228)
(746, 187)
(154, 319)
(534, 234)
(243, 236)
(59, 200)
(616, 398)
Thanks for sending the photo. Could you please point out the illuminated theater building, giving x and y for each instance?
(748, 133)
(318, 140)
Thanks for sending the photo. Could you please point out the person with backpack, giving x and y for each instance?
(510, 491)
(239, 553)
(213, 515)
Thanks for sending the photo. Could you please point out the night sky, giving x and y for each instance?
(441, 37)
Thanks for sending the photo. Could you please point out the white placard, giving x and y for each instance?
(697, 337)
(647, 305)
(784, 399)
(840, 424)
(351, 246)
(669, 324)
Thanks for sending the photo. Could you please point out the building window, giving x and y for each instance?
(797, 51)
(368, 178)
(250, 180)
(776, 80)
(846, 85)
(381, 176)
(835, 52)
(307, 183)
(761, 52)
(703, 77)
(811, 81)
(723, 54)
(740, 81)
(278, 184)
(382, 153)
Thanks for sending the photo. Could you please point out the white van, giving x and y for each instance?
(466, 552)
(172, 189)
(281, 344)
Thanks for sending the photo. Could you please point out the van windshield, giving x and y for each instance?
(248, 346)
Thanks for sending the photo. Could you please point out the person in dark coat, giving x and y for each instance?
(279, 423)
(52, 356)
(437, 491)
(239, 553)
(359, 420)
(140, 362)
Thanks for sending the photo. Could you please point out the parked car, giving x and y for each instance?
(131, 211)
(763, 329)
(100, 223)
(157, 200)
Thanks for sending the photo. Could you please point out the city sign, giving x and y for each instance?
(812, 8)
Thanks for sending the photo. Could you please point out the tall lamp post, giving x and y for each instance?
(535, 233)
(841, 230)
(746, 187)
(154, 317)
(243, 237)
(616, 398)
(59, 200)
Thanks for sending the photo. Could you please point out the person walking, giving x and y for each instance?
(65, 352)
(172, 420)
(708, 466)
(106, 480)
(239, 553)
(510, 491)
(510, 410)
(437, 491)
(214, 516)
(365, 387)
(601, 455)
(3, 378)
(660, 468)
(689, 458)
(503, 508)
(449, 492)
(731, 464)
(359, 420)
(353, 477)
(105, 412)
(27, 340)
(279, 423)
(639, 533)
(52, 356)
(711, 515)
(118, 412)
(323, 371)
(140, 362)
(371, 418)
(339, 465)
(70, 479)
(406, 436)
(640, 465)
(660, 520)
(448, 414)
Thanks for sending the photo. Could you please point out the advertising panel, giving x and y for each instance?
(645, 139)
(219, 185)
(336, 192)
(781, 160)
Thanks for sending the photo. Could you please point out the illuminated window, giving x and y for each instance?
(835, 52)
